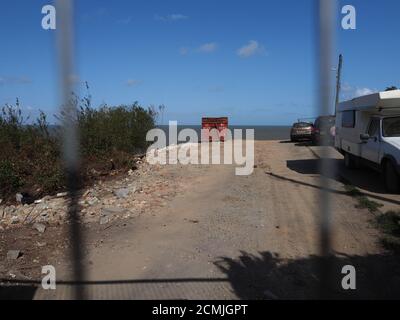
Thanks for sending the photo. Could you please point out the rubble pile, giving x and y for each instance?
(141, 188)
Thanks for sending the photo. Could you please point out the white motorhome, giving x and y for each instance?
(368, 132)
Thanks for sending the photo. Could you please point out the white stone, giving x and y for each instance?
(13, 254)
(14, 220)
(62, 194)
(121, 193)
(39, 227)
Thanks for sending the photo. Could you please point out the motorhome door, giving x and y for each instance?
(370, 150)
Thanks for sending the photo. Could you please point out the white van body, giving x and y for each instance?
(368, 132)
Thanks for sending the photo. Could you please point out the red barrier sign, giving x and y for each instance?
(220, 124)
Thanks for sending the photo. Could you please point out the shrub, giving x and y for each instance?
(9, 179)
(31, 158)
(389, 223)
(108, 129)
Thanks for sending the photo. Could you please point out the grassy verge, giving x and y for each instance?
(363, 201)
(388, 223)
(31, 160)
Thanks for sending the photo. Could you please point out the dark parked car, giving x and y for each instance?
(324, 130)
(301, 131)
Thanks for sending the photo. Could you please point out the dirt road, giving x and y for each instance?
(237, 237)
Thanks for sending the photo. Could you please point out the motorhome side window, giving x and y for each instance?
(348, 119)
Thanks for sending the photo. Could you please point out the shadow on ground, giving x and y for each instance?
(266, 276)
(311, 167)
(261, 276)
(363, 178)
(17, 292)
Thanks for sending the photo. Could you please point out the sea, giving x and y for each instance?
(260, 132)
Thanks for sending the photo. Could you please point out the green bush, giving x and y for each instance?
(9, 179)
(389, 223)
(31, 159)
(108, 129)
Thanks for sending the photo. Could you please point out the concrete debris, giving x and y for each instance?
(62, 194)
(15, 220)
(13, 254)
(41, 244)
(108, 199)
(112, 211)
(87, 192)
(19, 197)
(39, 227)
(104, 220)
(121, 193)
(92, 201)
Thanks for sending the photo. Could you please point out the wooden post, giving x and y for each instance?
(338, 79)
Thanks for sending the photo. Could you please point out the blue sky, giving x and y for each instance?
(253, 61)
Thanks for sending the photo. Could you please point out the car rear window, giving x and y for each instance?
(301, 125)
(326, 122)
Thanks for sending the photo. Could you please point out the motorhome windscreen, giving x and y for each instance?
(391, 127)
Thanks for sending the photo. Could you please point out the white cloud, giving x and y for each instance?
(364, 91)
(132, 82)
(346, 87)
(208, 47)
(183, 51)
(127, 20)
(204, 48)
(250, 49)
(177, 17)
(171, 17)
(349, 92)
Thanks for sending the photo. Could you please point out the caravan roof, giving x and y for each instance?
(381, 101)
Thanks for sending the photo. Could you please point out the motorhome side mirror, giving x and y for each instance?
(364, 137)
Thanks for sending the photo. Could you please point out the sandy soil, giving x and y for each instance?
(224, 236)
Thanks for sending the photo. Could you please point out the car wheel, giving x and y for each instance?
(392, 181)
(349, 161)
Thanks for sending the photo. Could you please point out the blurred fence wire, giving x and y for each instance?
(65, 46)
(325, 54)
